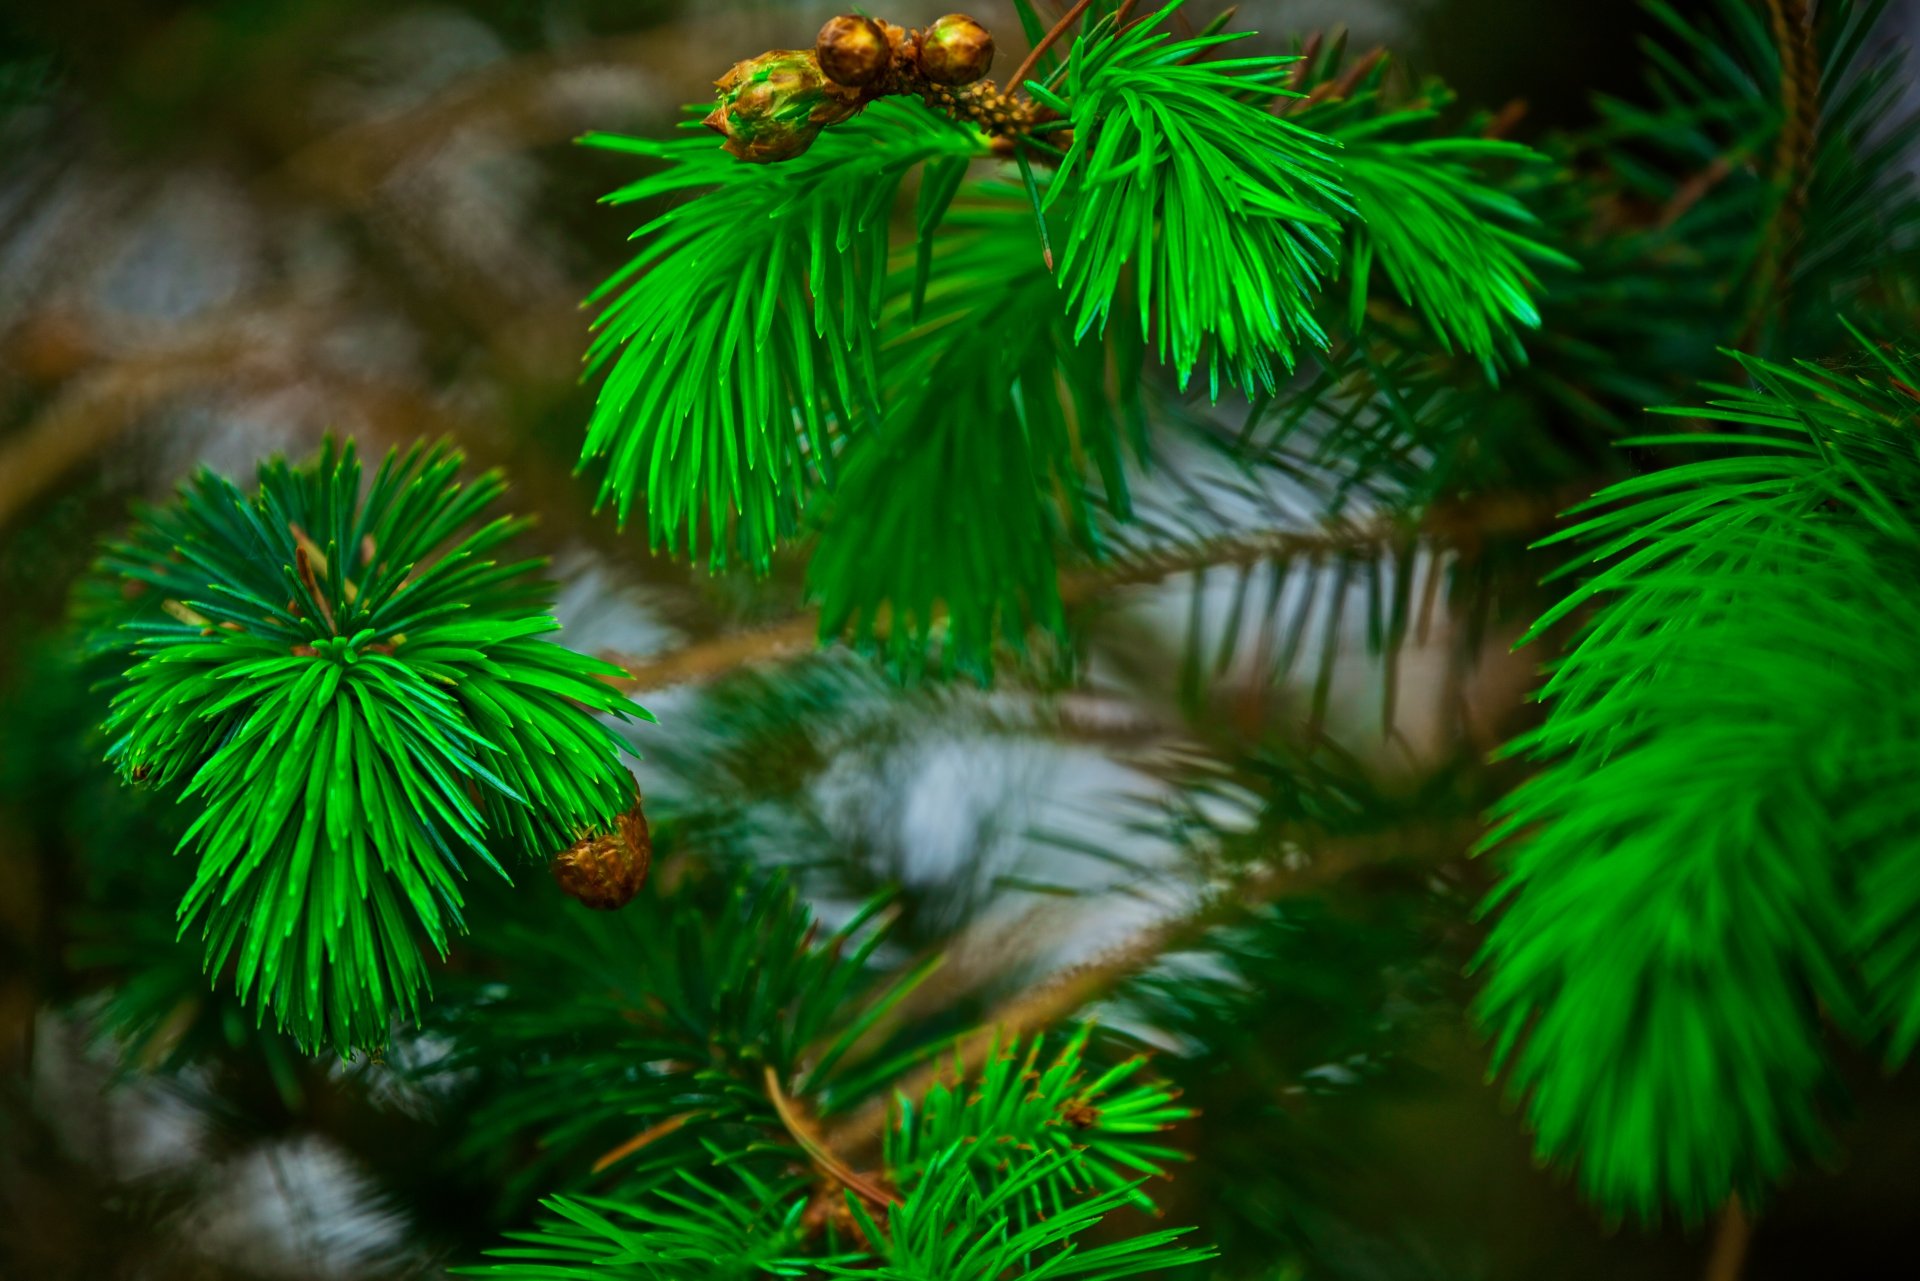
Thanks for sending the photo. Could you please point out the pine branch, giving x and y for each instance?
(824, 1158)
(1730, 1243)
(1018, 80)
(1243, 200)
(1060, 996)
(1717, 848)
(713, 340)
(111, 389)
(1794, 153)
(350, 691)
(1106, 1124)
(1464, 522)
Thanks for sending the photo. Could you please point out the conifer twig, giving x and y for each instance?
(1792, 24)
(642, 1139)
(1060, 996)
(1696, 188)
(1341, 85)
(820, 1151)
(1460, 523)
(705, 660)
(1730, 1243)
(1046, 42)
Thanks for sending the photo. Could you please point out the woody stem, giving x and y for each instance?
(1020, 73)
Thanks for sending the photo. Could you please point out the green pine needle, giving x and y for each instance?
(1714, 869)
(739, 343)
(949, 515)
(951, 1228)
(1226, 212)
(1105, 1125)
(358, 699)
(1454, 246)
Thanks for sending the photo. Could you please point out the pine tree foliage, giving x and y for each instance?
(354, 695)
(1226, 212)
(907, 539)
(1401, 322)
(741, 339)
(1293, 1023)
(722, 982)
(1443, 235)
(1713, 870)
(886, 422)
(1754, 206)
(1018, 1105)
(702, 1033)
(948, 1228)
(920, 1244)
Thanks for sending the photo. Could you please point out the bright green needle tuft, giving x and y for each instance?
(359, 700)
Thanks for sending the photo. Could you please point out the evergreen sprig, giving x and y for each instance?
(1018, 1106)
(949, 515)
(950, 1228)
(668, 1014)
(690, 1229)
(1226, 212)
(1713, 870)
(740, 341)
(356, 697)
(1455, 246)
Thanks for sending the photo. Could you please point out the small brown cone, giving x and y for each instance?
(605, 872)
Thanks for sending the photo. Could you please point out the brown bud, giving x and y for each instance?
(955, 50)
(605, 871)
(1081, 1116)
(772, 107)
(853, 51)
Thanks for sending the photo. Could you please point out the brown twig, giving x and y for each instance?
(649, 1135)
(118, 388)
(1506, 120)
(1021, 72)
(1696, 188)
(1793, 155)
(1340, 86)
(1490, 516)
(1303, 65)
(1730, 1243)
(250, 350)
(1064, 994)
(821, 1151)
(708, 659)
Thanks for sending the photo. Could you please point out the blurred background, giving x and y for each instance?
(229, 227)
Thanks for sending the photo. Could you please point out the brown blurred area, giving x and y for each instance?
(230, 226)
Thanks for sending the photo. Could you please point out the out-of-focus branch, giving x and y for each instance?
(95, 407)
(1794, 153)
(246, 351)
(532, 100)
(1463, 525)
(1062, 995)
(1730, 1241)
(708, 659)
